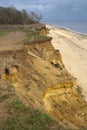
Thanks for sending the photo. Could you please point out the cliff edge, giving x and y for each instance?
(41, 81)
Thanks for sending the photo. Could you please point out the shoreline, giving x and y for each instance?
(73, 48)
(67, 29)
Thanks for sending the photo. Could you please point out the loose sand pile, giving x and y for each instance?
(73, 47)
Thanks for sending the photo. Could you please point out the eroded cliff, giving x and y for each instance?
(42, 82)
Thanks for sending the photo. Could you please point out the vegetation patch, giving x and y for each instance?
(33, 36)
(25, 118)
(20, 117)
(2, 33)
(4, 97)
(79, 90)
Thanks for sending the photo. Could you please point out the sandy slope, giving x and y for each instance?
(73, 48)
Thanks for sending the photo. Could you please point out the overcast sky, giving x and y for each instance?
(53, 10)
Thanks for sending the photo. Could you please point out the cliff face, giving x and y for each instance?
(35, 72)
(46, 51)
(65, 104)
(41, 81)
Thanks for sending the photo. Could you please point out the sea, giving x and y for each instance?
(80, 26)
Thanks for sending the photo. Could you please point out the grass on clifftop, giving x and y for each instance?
(34, 36)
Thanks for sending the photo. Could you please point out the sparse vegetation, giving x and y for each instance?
(2, 33)
(37, 37)
(4, 97)
(33, 36)
(18, 116)
(25, 118)
(79, 90)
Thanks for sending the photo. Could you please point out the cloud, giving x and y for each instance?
(52, 9)
(36, 8)
(30, 7)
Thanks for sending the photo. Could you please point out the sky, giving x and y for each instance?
(52, 10)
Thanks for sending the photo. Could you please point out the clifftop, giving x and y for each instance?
(40, 80)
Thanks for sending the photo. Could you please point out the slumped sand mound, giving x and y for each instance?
(65, 104)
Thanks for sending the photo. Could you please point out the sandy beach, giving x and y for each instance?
(73, 48)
